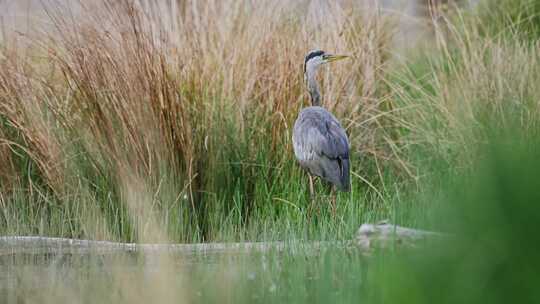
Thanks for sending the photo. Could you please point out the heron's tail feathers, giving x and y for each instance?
(332, 170)
(344, 180)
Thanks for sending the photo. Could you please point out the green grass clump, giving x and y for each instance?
(511, 18)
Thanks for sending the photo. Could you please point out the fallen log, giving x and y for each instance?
(383, 235)
(10, 245)
(368, 237)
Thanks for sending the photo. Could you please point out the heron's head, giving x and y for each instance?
(316, 58)
(313, 61)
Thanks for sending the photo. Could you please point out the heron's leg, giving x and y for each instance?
(333, 199)
(311, 196)
(311, 189)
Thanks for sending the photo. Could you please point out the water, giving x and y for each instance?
(222, 278)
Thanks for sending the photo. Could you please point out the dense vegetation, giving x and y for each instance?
(124, 120)
(127, 126)
(176, 127)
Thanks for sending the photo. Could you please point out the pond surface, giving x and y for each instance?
(204, 278)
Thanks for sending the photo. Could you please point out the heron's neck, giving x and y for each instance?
(313, 86)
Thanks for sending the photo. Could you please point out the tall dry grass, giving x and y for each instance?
(468, 87)
(197, 99)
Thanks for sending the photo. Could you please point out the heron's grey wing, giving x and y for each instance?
(329, 141)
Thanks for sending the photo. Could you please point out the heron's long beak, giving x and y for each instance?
(331, 58)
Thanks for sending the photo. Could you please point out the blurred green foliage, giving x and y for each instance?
(493, 213)
(514, 17)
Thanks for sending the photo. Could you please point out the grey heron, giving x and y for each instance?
(320, 143)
